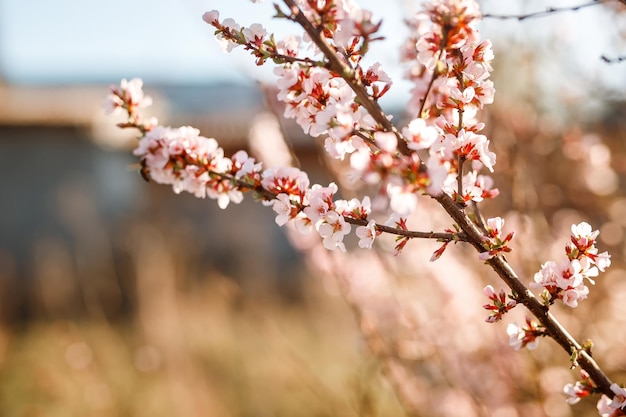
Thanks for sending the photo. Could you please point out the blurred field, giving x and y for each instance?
(214, 351)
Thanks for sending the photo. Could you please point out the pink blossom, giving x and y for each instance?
(489, 291)
(376, 73)
(354, 207)
(283, 208)
(570, 275)
(521, 337)
(419, 135)
(602, 260)
(547, 276)
(211, 17)
(572, 296)
(366, 234)
(608, 407)
(332, 229)
(288, 46)
(386, 141)
(604, 407)
(575, 392)
(255, 33)
(472, 147)
(320, 201)
(246, 166)
(466, 96)
(226, 43)
(338, 148)
(402, 200)
(619, 400)
(494, 225)
(128, 96)
(427, 51)
(287, 180)
(584, 234)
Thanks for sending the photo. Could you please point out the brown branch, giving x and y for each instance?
(472, 233)
(548, 11)
(447, 237)
(615, 60)
(268, 195)
(526, 297)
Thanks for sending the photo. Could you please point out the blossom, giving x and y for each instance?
(419, 135)
(255, 33)
(580, 389)
(495, 243)
(246, 167)
(212, 17)
(288, 46)
(366, 234)
(332, 229)
(283, 208)
(608, 407)
(386, 141)
(320, 201)
(499, 304)
(289, 180)
(128, 96)
(471, 146)
(524, 337)
(565, 281)
(402, 199)
(619, 399)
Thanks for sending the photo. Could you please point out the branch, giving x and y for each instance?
(472, 233)
(548, 11)
(615, 60)
(447, 237)
(526, 297)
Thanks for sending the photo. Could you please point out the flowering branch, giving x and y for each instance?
(344, 70)
(438, 154)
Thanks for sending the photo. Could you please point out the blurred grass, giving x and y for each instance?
(234, 355)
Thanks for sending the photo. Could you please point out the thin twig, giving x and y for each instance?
(548, 11)
(615, 60)
(442, 237)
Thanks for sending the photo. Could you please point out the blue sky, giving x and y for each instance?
(81, 40)
(43, 41)
(159, 40)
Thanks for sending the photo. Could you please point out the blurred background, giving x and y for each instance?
(120, 298)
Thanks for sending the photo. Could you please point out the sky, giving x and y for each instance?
(166, 41)
(51, 41)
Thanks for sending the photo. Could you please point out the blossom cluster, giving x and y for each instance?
(613, 407)
(450, 69)
(329, 90)
(130, 98)
(495, 243)
(189, 162)
(607, 407)
(566, 280)
(317, 94)
(499, 304)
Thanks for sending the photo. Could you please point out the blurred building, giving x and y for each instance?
(73, 203)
